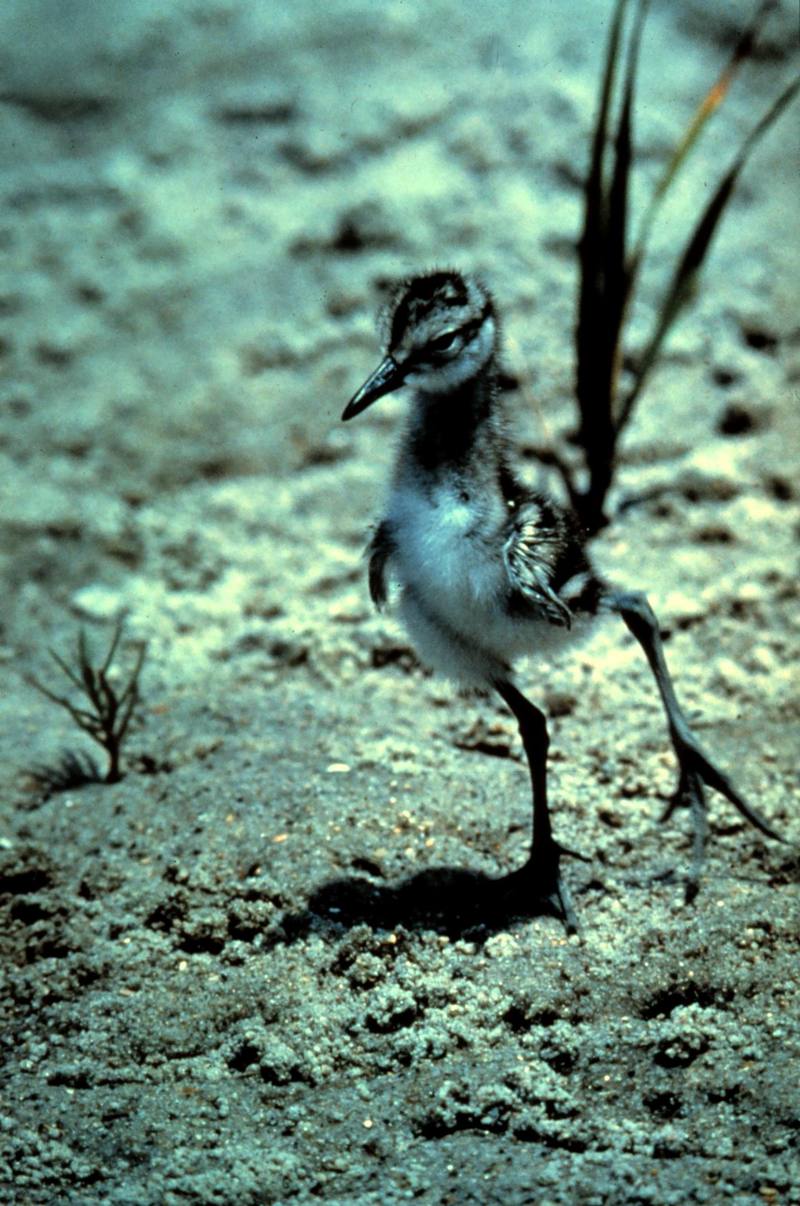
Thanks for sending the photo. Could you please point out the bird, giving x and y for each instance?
(484, 570)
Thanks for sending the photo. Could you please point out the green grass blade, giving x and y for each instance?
(705, 110)
(594, 182)
(616, 274)
(591, 245)
(684, 279)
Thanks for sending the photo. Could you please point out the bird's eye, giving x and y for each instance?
(443, 342)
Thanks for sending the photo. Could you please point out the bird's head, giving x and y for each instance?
(440, 331)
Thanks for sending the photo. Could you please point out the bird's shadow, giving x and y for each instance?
(447, 900)
(457, 902)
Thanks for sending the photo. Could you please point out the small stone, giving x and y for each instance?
(730, 675)
(560, 703)
(98, 603)
(762, 659)
(501, 946)
(751, 592)
(680, 609)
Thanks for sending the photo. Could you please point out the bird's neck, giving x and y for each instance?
(456, 429)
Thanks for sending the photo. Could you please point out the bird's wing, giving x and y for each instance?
(380, 549)
(534, 547)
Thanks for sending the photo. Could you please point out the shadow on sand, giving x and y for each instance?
(447, 900)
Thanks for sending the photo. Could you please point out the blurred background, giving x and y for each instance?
(202, 203)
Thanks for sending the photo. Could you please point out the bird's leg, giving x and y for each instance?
(696, 769)
(542, 870)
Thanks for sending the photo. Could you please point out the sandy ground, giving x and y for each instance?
(259, 970)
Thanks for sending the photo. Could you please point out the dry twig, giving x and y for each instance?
(105, 713)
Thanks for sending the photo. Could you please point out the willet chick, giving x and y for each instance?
(487, 570)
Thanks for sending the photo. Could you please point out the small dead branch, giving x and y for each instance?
(104, 712)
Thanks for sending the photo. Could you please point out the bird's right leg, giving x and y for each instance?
(542, 872)
(696, 770)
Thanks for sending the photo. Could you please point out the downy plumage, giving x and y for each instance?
(485, 569)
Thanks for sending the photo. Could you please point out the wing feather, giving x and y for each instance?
(534, 552)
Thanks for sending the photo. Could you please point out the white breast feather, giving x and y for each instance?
(449, 561)
(443, 552)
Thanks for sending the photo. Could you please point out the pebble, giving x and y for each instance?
(501, 946)
(680, 608)
(762, 659)
(98, 603)
(731, 675)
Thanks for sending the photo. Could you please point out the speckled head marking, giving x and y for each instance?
(425, 297)
(443, 329)
(440, 332)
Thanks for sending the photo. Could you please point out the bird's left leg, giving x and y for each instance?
(696, 770)
(540, 877)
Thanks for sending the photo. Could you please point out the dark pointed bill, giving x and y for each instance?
(387, 377)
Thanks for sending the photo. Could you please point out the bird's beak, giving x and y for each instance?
(388, 376)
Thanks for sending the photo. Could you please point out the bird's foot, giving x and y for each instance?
(539, 883)
(697, 772)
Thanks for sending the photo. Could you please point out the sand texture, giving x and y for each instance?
(259, 969)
